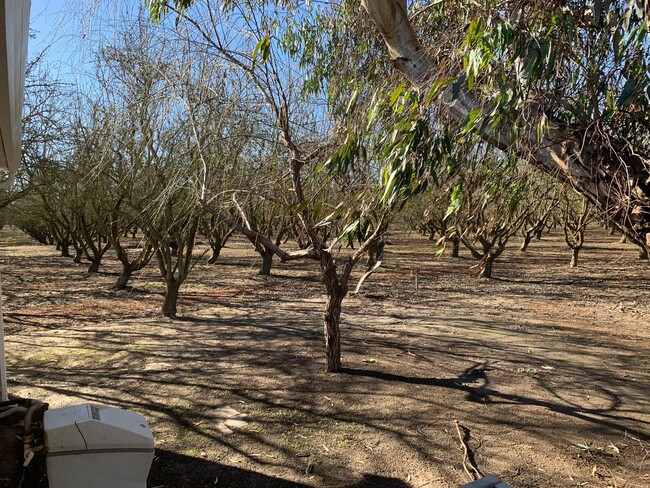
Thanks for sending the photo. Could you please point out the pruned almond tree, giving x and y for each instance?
(487, 204)
(577, 214)
(544, 203)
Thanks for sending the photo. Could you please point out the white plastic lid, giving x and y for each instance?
(61, 433)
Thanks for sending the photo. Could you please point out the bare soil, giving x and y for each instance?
(545, 368)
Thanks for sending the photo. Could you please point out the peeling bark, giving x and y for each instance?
(332, 313)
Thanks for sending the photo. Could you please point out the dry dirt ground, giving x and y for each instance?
(545, 368)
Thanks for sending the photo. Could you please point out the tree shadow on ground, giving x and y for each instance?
(180, 471)
(474, 382)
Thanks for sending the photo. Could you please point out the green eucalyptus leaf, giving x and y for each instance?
(263, 48)
(394, 97)
(353, 101)
(626, 94)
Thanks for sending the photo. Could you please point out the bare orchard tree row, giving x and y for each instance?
(183, 134)
(491, 201)
(292, 130)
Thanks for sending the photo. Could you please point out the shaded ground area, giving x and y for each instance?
(12, 431)
(546, 367)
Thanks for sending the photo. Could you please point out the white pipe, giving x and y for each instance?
(4, 394)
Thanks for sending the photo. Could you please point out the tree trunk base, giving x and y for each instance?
(486, 268)
(455, 247)
(267, 263)
(216, 251)
(122, 280)
(171, 299)
(332, 329)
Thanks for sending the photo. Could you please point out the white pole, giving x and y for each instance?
(4, 394)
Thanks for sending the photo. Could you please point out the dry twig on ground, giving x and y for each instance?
(466, 454)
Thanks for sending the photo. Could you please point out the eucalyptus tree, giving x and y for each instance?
(371, 172)
(566, 83)
(563, 84)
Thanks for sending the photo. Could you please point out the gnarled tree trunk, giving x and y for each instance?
(216, 252)
(332, 314)
(94, 265)
(485, 265)
(130, 266)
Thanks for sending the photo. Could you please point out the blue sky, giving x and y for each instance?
(70, 30)
(54, 25)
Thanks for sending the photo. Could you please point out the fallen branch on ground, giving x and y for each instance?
(466, 457)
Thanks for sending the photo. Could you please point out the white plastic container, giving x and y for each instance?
(93, 446)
